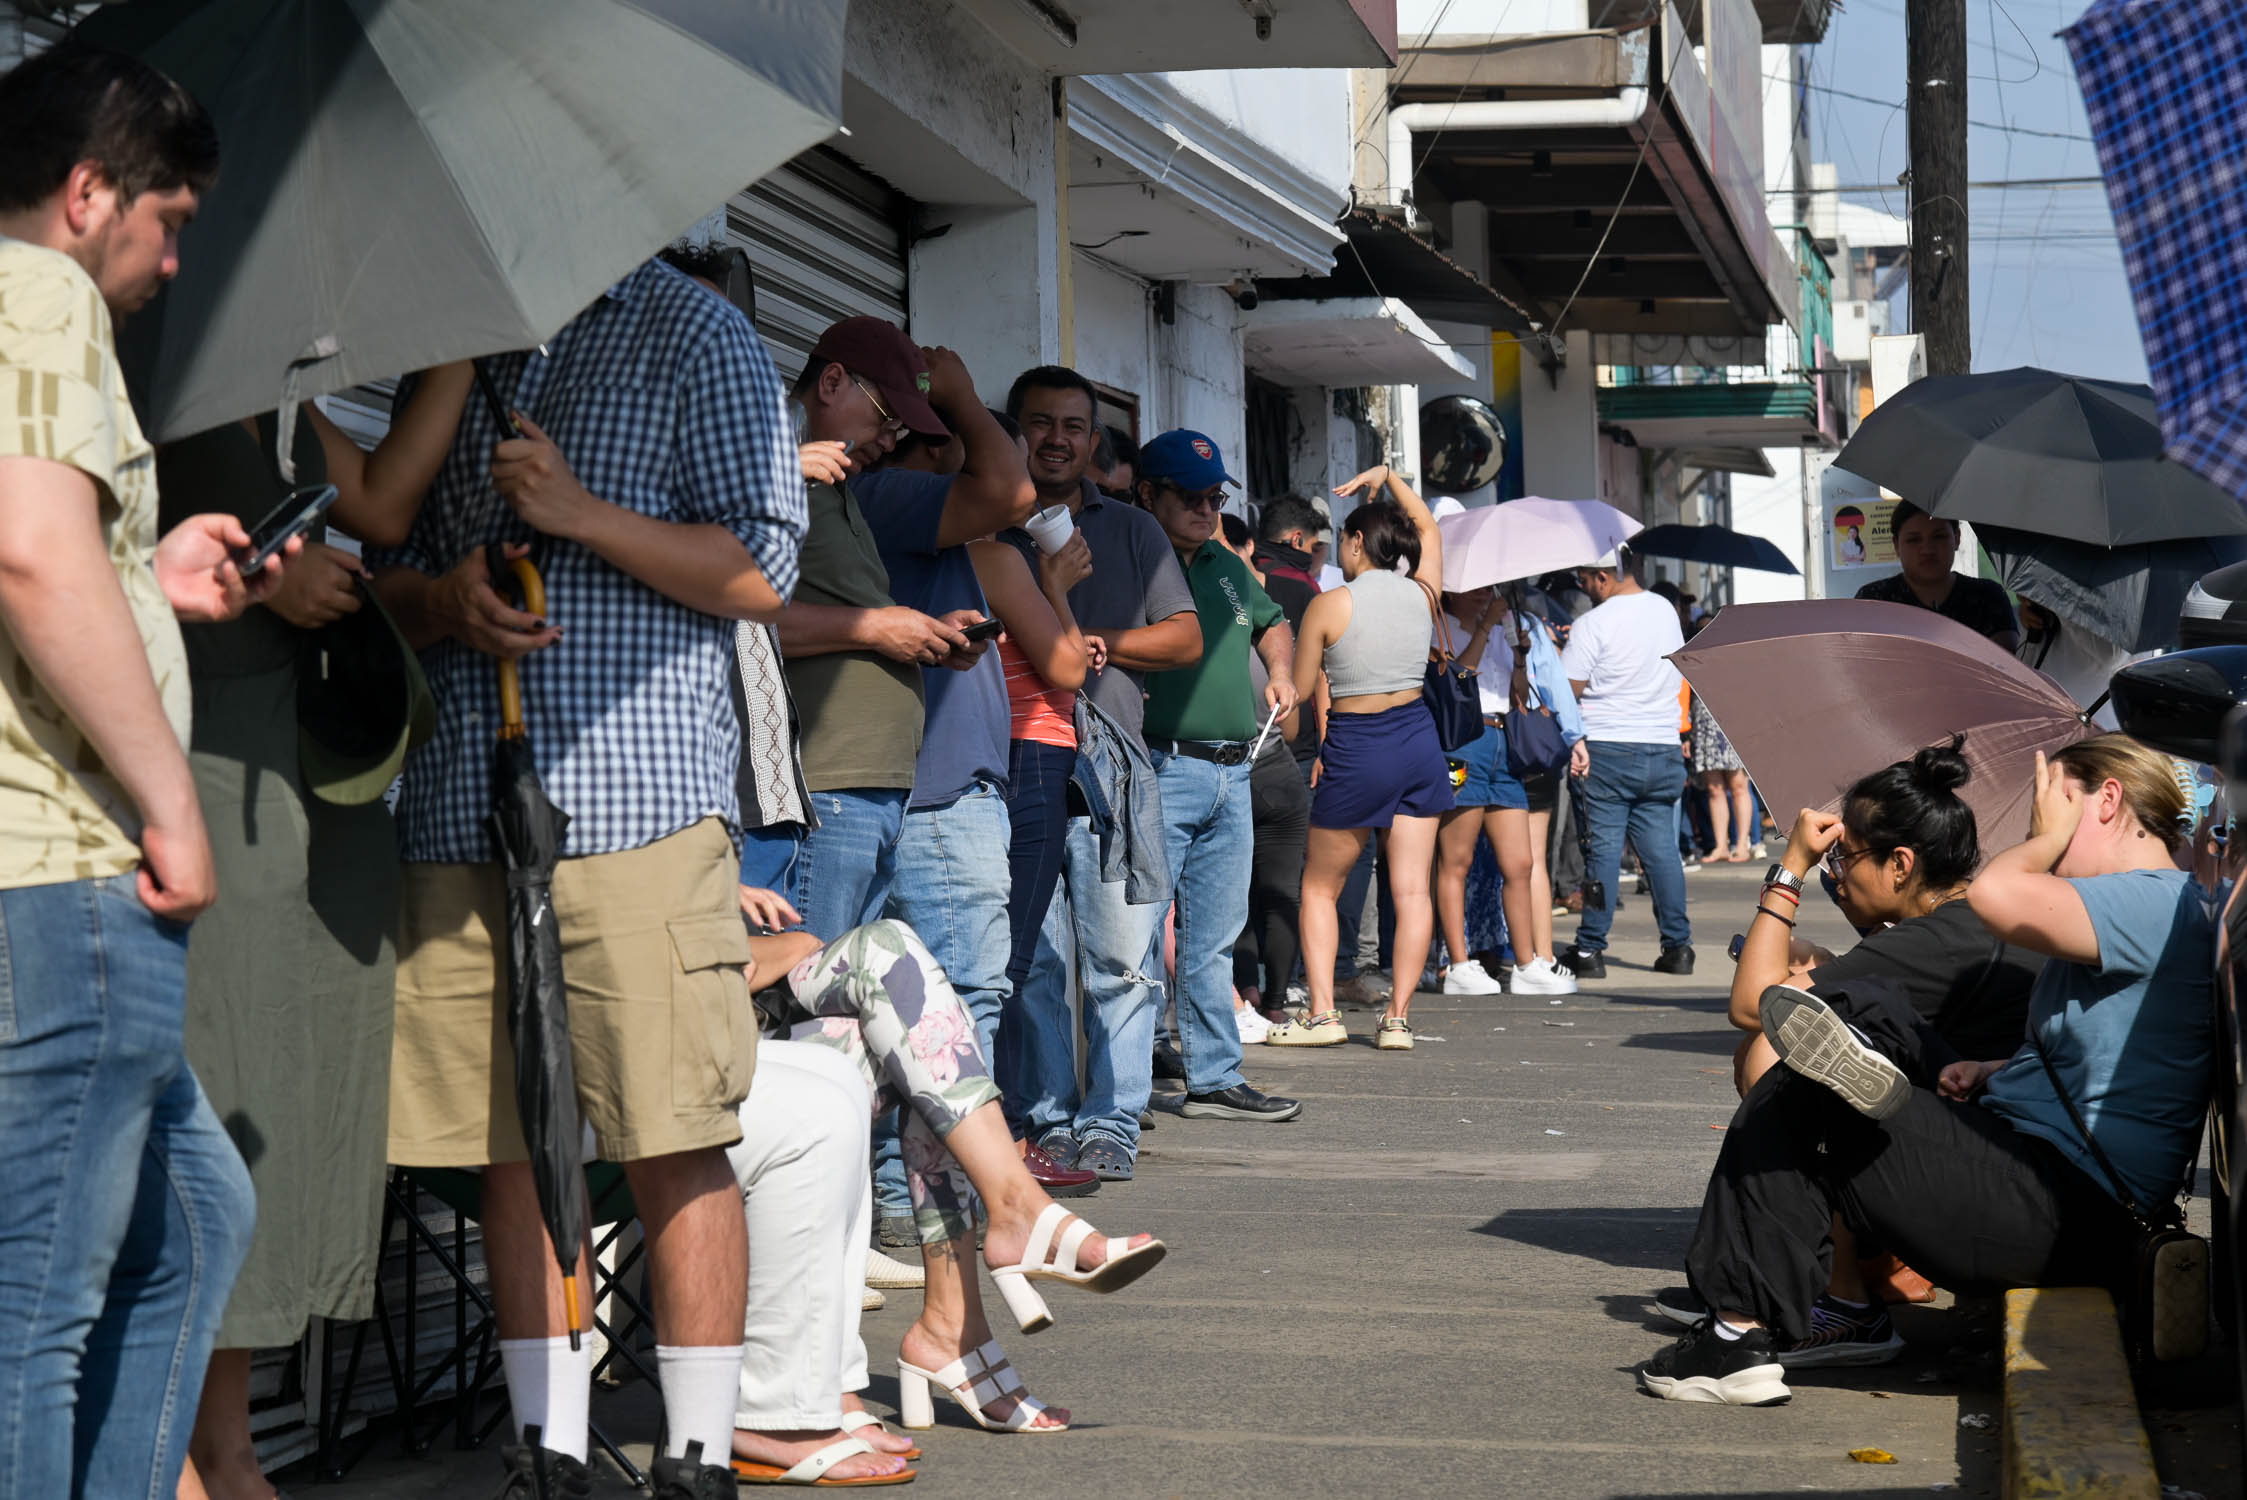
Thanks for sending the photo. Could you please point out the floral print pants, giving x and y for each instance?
(877, 995)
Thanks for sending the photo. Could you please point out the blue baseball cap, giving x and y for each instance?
(1186, 459)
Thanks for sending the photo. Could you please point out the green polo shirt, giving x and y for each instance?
(1213, 699)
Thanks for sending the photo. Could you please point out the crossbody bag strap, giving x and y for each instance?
(2122, 1191)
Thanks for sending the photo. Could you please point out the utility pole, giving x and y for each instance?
(1935, 38)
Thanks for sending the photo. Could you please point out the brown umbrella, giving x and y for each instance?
(1816, 693)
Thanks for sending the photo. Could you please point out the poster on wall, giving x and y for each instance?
(1505, 399)
(1859, 535)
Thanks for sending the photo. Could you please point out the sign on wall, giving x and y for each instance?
(1859, 534)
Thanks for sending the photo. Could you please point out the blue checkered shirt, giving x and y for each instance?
(663, 400)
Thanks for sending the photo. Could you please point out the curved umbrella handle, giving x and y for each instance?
(532, 590)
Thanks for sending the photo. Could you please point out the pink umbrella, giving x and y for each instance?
(1527, 538)
(1815, 693)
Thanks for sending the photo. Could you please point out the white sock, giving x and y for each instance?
(1731, 1333)
(548, 1386)
(701, 1387)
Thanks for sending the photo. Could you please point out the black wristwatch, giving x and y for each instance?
(1780, 875)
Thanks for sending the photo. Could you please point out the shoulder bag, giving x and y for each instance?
(1453, 693)
(2165, 1316)
(1534, 743)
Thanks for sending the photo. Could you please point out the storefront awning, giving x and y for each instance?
(1347, 341)
(1385, 260)
(1078, 37)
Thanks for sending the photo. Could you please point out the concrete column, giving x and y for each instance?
(989, 288)
(1560, 424)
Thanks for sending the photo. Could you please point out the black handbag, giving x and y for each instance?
(2165, 1311)
(1453, 693)
(1534, 745)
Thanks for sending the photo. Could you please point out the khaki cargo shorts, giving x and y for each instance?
(661, 1029)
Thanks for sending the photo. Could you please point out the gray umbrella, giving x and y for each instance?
(405, 182)
(2129, 596)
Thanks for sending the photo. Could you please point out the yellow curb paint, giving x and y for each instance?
(2071, 1414)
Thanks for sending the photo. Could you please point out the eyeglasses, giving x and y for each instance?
(1838, 860)
(890, 423)
(1209, 499)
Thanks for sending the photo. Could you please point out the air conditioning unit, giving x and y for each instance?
(1855, 325)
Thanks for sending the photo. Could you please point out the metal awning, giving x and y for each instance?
(1384, 260)
(1078, 37)
(1728, 461)
(1754, 414)
(1349, 341)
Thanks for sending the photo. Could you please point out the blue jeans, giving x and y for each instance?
(951, 889)
(127, 1210)
(839, 874)
(1088, 926)
(1209, 835)
(1037, 805)
(1634, 790)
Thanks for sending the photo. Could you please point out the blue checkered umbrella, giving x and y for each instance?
(2165, 83)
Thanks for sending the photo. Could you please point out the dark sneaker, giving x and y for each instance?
(1105, 1159)
(1146, 1120)
(1240, 1102)
(689, 1478)
(1844, 1335)
(1680, 1305)
(1678, 960)
(1811, 1040)
(535, 1473)
(1057, 1180)
(897, 1232)
(1059, 1146)
(1585, 964)
(1168, 1064)
(1726, 1372)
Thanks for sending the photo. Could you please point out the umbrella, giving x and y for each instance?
(527, 832)
(416, 181)
(2163, 82)
(1718, 545)
(1526, 538)
(2057, 454)
(1816, 693)
(2130, 597)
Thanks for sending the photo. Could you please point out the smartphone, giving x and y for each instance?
(290, 519)
(982, 630)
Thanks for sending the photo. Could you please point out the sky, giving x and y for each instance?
(2048, 286)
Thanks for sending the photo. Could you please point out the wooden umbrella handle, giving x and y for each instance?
(510, 676)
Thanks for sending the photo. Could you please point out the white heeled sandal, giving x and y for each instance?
(975, 1380)
(1123, 1266)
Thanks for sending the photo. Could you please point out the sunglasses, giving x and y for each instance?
(890, 423)
(1838, 861)
(1210, 499)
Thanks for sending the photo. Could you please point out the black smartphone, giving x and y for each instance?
(1739, 941)
(290, 519)
(982, 630)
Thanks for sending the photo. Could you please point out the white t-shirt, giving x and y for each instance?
(1494, 674)
(1620, 649)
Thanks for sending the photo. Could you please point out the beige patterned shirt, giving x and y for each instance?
(63, 817)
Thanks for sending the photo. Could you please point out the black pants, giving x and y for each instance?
(1281, 805)
(1964, 1198)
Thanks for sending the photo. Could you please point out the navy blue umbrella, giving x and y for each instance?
(1719, 546)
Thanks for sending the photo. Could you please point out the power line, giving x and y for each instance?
(2050, 135)
(2025, 184)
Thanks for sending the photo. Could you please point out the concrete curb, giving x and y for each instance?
(2071, 1412)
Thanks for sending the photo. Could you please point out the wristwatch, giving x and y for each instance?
(1779, 874)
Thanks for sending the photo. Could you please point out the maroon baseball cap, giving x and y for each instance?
(879, 351)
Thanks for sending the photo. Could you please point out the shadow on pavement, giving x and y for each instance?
(1652, 1238)
(1708, 1043)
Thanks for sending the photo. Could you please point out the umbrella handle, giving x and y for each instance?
(533, 589)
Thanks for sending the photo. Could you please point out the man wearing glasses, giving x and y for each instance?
(1203, 726)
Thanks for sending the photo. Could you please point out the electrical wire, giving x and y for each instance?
(2052, 135)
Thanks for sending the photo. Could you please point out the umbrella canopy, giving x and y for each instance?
(1720, 546)
(527, 831)
(2130, 597)
(1816, 693)
(406, 182)
(2056, 454)
(1528, 537)
(2163, 82)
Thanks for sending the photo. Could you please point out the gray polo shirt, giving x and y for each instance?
(1135, 581)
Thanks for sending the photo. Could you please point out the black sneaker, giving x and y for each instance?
(1702, 1366)
(689, 1478)
(1678, 960)
(1680, 1305)
(1585, 964)
(1844, 1335)
(1240, 1102)
(1168, 1063)
(1811, 1040)
(535, 1473)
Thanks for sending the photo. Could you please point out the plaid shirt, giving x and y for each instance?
(664, 401)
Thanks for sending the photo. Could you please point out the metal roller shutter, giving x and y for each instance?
(825, 241)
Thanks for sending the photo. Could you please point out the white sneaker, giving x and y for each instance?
(1253, 1027)
(1541, 976)
(1469, 977)
(881, 1271)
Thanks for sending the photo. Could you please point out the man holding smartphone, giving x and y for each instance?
(128, 1209)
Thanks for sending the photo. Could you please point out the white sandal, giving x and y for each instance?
(1123, 1266)
(812, 1472)
(975, 1380)
(855, 1420)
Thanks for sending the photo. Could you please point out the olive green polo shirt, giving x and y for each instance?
(861, 711)
(1213, 699)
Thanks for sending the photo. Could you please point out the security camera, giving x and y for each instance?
(1243, 293)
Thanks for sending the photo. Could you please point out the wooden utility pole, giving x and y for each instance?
(1935, 38)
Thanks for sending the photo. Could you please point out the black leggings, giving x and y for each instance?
(1964, 1198)
(1281, 805)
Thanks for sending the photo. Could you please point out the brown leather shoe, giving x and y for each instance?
(1058, 1181)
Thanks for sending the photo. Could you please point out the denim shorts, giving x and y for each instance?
(1490, 782)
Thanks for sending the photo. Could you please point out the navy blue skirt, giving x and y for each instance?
(1379, 767)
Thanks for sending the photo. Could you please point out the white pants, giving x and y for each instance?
(802, 1165)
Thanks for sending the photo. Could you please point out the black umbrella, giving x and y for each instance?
(527, 832)
(1719, 546)
(2128, 596)
(2055, 454)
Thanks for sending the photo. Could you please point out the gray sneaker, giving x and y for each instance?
(1811, 1040)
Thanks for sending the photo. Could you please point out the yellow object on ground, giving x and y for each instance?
(1872, 1455)
(2071, 1414)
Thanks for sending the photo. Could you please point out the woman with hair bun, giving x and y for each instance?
(1380, 765)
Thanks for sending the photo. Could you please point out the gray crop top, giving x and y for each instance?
(1385, 647)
